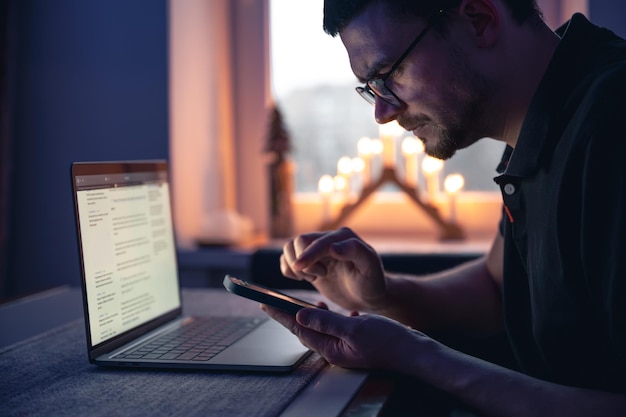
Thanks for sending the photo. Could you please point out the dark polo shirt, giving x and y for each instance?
(564, 222)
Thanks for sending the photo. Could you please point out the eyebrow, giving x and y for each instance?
(372, 72)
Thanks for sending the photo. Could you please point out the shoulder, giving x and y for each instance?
(599, 107)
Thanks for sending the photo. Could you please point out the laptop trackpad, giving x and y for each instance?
(269, 344)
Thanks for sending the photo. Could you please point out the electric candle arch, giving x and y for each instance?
(363, 175)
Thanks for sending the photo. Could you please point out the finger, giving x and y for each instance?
(312, 268)
(286, 319)
(356, 251)
(325, 322)
(322, 305)
(351, 248)
(285, 269)
(316, 250)
(315, 270)
(287, 259)
(302, 242)
(310, 338)
(289, 251)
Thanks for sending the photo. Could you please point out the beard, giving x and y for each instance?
(468, 96)
(441, 140)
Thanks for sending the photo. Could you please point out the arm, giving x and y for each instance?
(349, 272)
(464, 299)
(376, 342)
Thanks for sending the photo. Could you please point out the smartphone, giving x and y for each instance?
(265, 295)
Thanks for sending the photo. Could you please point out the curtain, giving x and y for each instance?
(7, 42)
(201, 119)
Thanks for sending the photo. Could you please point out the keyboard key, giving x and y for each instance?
(200, 339)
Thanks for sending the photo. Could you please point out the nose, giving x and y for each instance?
(385, 112)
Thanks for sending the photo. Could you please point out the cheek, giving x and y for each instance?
(432, 98)
(447, 92)
(446, 79)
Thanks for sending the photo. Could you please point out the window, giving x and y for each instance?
(313, 86)
(307, 72)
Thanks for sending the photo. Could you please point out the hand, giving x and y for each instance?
(358, 341)
(376, 342)
(340, 265)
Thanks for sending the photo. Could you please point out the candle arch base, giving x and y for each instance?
(447, 230)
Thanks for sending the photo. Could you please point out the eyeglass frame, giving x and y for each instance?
(376, 87)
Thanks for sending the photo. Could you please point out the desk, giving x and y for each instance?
(66, 384)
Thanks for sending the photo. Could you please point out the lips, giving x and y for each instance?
(416, 130)
(416, 124)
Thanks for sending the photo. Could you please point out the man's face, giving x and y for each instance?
(444, 99)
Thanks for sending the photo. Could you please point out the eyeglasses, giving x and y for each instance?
(376, 86)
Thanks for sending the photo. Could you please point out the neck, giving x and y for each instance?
(528, 55)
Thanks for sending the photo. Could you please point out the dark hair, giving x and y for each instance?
(339, 13)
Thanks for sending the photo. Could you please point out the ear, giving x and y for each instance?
(483, 18)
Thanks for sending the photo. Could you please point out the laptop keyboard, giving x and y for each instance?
(198, 340)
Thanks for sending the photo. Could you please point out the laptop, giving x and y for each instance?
(131, 294)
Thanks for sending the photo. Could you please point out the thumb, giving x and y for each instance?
(325, 322)
(357, 252)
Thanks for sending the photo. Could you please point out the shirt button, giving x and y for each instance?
(509, 189)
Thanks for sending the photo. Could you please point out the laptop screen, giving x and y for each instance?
(127, 246)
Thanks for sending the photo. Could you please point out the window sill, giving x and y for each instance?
(393, 214)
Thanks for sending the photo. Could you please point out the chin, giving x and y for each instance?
(439, 149)
(446, 146)
(440, 155)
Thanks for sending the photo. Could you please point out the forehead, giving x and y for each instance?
(374, 39)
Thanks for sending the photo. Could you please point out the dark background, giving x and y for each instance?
(88, 80)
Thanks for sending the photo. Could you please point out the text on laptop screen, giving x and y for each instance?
(128, 250)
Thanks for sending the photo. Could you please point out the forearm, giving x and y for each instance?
(496, 391)
(464, 299)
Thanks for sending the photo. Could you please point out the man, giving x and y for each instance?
(454, 72)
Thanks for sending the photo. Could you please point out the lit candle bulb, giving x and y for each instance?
(325, 186)
(365, 152)
(377, 150)
(344, 170)
(341, 186)
(388, 133)
(358, 169)
(377, 146)
(431, 167)
(411, 148)
(453, 184)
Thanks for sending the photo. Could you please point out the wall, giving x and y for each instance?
(610, 14)
(607, 13)
(90, 84)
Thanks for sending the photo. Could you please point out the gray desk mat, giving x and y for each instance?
(49, 375)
